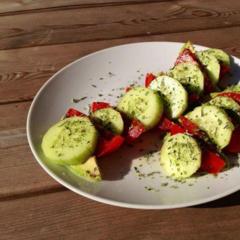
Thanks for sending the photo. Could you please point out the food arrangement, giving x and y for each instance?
(199, 119)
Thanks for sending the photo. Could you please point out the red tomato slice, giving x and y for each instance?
(169, 126)
(135, 130)
(211, 162)
(224, 69)
(208, 86)
(73, 112)
(193, 97)
(190, 127)
(107, 146)
(186, 56)
(149, 78)
(235, 96)
(234, 145)
(99, 105)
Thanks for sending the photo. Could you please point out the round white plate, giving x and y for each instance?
(133, 175)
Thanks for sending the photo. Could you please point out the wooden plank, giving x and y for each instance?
(20, 173)
(13, 6)
(101, 23)
(65, 215)
(33, 66)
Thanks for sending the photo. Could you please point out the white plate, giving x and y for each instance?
(102, 76)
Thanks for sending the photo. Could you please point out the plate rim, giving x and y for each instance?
(98, 198)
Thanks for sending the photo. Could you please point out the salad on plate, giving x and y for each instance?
(198, 118)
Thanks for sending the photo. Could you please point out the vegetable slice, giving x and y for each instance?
(176, 104)
(107, 146)
(211, 162)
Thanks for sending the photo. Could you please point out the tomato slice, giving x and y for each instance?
(211, 162)
(186, 56)
(235, 96)
(135, 130)
(71, 112)
(224, 69)
(193, 98)
(234, 145)
(208, 86)
(99, 105)
(107, 146)
(149, 78)
(170, 126)
(190, 127)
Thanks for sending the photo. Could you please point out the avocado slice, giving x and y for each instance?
(211, 65)
(215, 122)
(88, 170)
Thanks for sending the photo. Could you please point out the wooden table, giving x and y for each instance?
(39, 37)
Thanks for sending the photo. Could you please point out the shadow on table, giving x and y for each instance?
(231, 200)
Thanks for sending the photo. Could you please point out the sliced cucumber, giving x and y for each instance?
(232, 88)
(180, 156)
(211, 65)
(176, 104)
(110, 119)
(189, 75)
(226, 103)
(220, 55)
(88, 170)
(143, 104)
(70, 141)
(215, 122)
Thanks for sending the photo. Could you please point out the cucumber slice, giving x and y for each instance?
(215, 122)
(110, 119)
(143, 104)
(70, 141)
(211, 65)
(173, 93)
(226, 103)
(189, 75)
(220, 55)
(88, 170)
(232, 88)
(180, 156)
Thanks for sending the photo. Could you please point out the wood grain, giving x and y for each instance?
(16, 6)
(23, 71)
(64, 215)
(101, 23)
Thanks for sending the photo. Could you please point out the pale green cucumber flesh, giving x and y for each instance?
(190, 76)
(110, 119)
(215, 122)
(211, 65)
(70, 141)
(142, 104)
(174, 94)
(180, 156)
